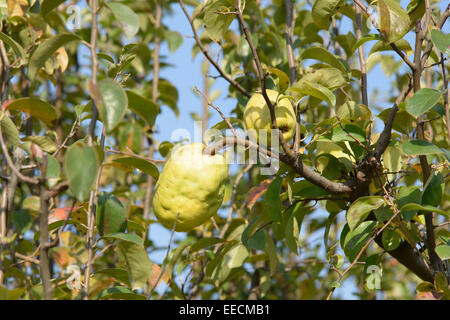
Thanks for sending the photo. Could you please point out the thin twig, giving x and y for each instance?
(362, 59)
(72, 133)
(207, 56)
(366, 245)
(163, 268)
(262, 78)
(92, 197)
(11, 163)
(209, 103)
(233, 198)
(290, 25)
(44, 261)
(155, 95)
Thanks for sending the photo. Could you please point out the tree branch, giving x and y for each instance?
(44, 261)
(207, 56)
(262, 78)
(393, 45)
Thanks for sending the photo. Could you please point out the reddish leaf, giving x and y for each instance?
(256, 192)
(59, 214)
(426, 296)
(156, 271)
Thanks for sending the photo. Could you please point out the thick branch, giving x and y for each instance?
(296, 163)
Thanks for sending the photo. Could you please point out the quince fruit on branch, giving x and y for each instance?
(191, 186)
(257, 115)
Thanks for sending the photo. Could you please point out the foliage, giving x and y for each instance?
(363, 186)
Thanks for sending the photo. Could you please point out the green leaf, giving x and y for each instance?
(110, 215)
(393, 19)
(49, 5)
(236, 256)
(9, 129)
(402, 44)
(168, 95)
(174, 40)
(131, 238)
(37, 108)
(292, 229)
(339, 134)
(272, 200)
(204, 243)
(316, 90)
(323, 10)
(425, 286)
(326, 233)
(165, 147)
(113, 103)
(422, 101)
(441, 41)
(356, 239)
(81, 166)
(17, 48)
(271, 251)
(257, 241)
(117, 273)
(22, 220)
(13, 294)
(330, 78)
(406, 195)
(126, 17)
(443, 251)
(105, 56)
(360, 209)
(433, 190)
(440, 282)
(391, 239)
(120, 293)
(141, 164)
(44, 142)
(283, 79)
(364, 39)
(32, 203)
(46, 49)
(143, 107)
(428, 208)
(138, 263)
(420, 147)
(321, 54)
(415, 10)
(216, 23)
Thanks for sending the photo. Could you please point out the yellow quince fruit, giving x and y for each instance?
(191, 186)
(257, 115)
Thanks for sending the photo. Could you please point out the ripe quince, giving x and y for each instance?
(257, 115)
(191, 186)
